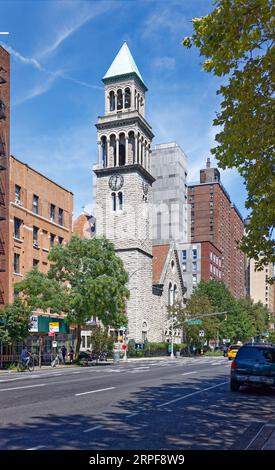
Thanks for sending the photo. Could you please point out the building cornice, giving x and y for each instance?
(125, 169)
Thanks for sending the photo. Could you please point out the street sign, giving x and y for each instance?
(201, 333)
(194, 322)
(54, 344)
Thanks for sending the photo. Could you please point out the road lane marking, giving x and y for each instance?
(191, 394)
(36, 448)
(94, 391)
(20, 388)
(193, 372)
(254, 437)
(132, 414)
(92, 429)
(20, 378)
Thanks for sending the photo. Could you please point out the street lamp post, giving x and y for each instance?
(172, 339)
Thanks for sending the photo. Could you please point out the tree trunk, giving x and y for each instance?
(78, 341)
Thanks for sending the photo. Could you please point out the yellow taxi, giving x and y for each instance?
(232, 351)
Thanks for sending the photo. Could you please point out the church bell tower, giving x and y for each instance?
(123, 184)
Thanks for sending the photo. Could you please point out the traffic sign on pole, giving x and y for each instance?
(201, 333)
(194, 322)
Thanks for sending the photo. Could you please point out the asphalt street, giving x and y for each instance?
(155, 404)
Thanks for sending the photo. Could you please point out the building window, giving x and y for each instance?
(211, 195)
(211, 204)
(35, 263)
(60, 240)
(184, 267)
(52, 212)
(119, 99)
(52, 238)
(16, 263)
(127, 98)
(35, 204)
(17, 226)
(112, 101)
(194, 279)
(211, 268)
(17, 194)
(194, 265)
(114, 201)
(120, 201)
(35, 236)
(183, 254)
(194, 253)
(60, 216)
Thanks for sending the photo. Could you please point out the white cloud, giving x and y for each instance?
(164, 63)
(39, 89)
(69, 17)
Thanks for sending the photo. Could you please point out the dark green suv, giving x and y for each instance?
(254, 364)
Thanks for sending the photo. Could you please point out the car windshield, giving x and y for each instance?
(268, 354)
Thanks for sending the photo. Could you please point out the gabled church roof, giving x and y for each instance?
(123, 64)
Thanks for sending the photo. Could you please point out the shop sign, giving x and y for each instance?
(54, 327)
(34, 324)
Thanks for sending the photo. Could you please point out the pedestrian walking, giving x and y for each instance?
(71, 355)
(63, 352)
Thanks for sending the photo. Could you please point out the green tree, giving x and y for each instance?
(257, 313)
(94, 279)
(237, 42)
(14, 322)
(86, 279)
(101, 340)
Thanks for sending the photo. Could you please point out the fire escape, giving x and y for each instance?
(3, 169)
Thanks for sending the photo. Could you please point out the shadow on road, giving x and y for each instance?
(211, 420)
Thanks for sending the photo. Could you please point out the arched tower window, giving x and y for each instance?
(119, 99)
(121, 149)
(104, 151)
(112, 100)
(127, 98)
(112, 151)
(120, 201)
(138, 101)
(131, 157)
(114, 201)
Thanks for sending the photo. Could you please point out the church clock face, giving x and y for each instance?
(116, 182)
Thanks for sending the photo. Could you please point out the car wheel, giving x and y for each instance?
(234, 386)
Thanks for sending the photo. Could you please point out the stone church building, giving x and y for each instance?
(124, 204)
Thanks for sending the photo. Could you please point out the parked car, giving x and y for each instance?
(254, 364)
(232, 351)
(85, 356)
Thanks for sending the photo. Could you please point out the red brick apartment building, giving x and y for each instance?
(4, 171)
(35, 212)
(40, 215)
(215, 219)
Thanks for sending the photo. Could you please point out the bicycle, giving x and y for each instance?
(56, 361)
(28, 365)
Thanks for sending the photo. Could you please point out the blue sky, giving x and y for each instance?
(60, 50)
